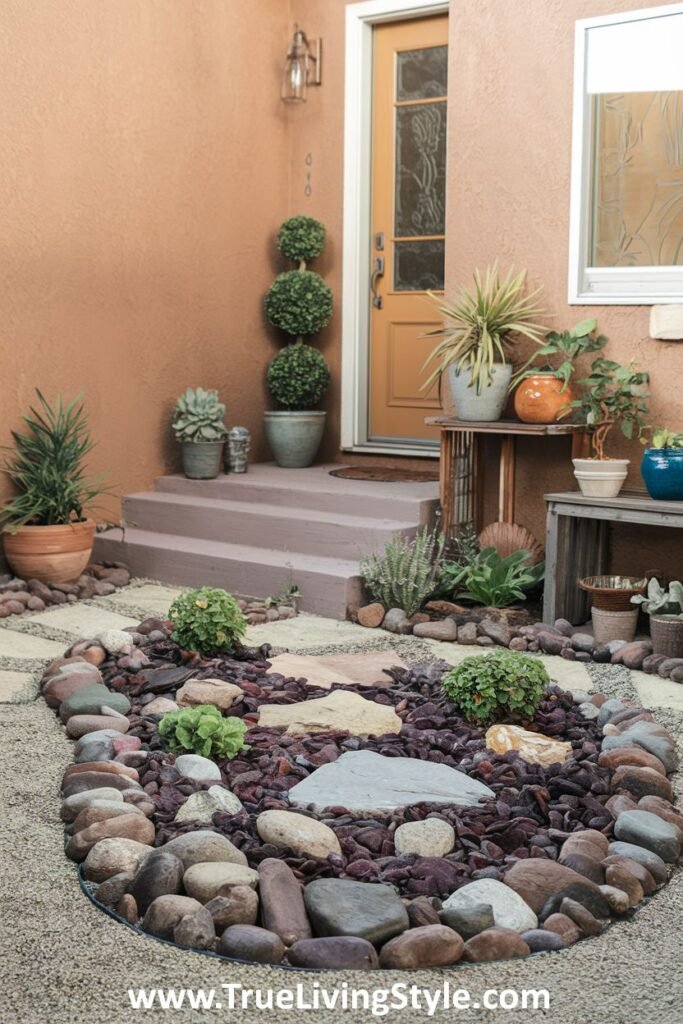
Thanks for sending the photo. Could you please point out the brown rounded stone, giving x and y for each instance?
(640, 782)
(124, 826)
(160, 874)
(113, 856)
(81, 782)
(247, 942)
(59, 687)
(646, 880)
(282, 901)
(635, 756)
(617, 876)
(581, 917)
(421, 912)
(617, 899)
(90, 651)
(196, 930)
(619, 803)
(536, 879)
(433, 945)
(589, 867)
(563, 926)
(238, 906)
(57, 663)
(588, 841)
(95, 812)
(127, 908)
(80, 725)
(495, 944)
(371, 615)
(113, 767)
(662, 808)
(110, 892)
(337, 952)
(165, 912)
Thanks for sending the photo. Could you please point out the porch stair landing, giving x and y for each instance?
(259, 532)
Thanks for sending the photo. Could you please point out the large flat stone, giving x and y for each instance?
(27, 647)
(342, 711)
(14, 685)
(655, 692)
(82, 620)
(153, 598)
(362, 780)
(323, 670)
(306, 632)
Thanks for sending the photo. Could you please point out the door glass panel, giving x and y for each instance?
(419, 266)
(420, 169)
(422, 74)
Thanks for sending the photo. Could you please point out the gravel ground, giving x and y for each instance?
(65, 962)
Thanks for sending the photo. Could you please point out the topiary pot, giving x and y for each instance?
(294, 437)
(202, 460)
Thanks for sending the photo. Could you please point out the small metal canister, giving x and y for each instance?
(237, 450)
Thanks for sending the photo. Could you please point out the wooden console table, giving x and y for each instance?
(576, 543)
(461, 470)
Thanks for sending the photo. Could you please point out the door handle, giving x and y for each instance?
(377, 272)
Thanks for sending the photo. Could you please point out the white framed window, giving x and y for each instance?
(626, 218)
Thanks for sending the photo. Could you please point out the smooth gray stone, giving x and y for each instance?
(338, 906)
(468, 921)
(609, 709)
(654, 864)
(89, 700)
(652, 832)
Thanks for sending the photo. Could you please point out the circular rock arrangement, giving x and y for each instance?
(324, 845)
(18, 596)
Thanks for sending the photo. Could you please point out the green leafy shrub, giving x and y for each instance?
(299, 302)
(298, 377)
(301, 239)
(490, 579)
(203, 730)
(207, 620)
(404, 576)
(499, 686)
(198, 416)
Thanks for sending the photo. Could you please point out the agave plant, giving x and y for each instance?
(198, 416)
(659, 601)
(478, 326)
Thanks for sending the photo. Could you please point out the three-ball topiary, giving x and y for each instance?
(301, 239)
(503, 685)
(298, 377)
(208, 620)
(299, 303)
(203, 730)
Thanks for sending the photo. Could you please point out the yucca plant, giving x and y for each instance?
(478, 326)
(405, 575)
(47, 467)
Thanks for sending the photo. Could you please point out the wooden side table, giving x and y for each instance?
(461, 472)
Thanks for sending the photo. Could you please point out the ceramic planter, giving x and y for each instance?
(540, 398)
(294, 437)
(52, 554)
(662, 472)
(608, 625)
(202, 460)
(666, 633)
(600, 478)
(486, 407)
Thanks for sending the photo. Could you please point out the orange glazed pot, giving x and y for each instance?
(52, 554)
(540, 398)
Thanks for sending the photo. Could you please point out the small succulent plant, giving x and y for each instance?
(203, 730)
(198, 416)
(208, 620)
(496, 687)
(660, 601)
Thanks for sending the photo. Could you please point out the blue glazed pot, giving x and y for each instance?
(662, 471)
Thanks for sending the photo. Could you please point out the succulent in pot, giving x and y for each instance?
(665, 608)
(477, 334)
(47, 532)
(199, 428)
(299, 303)
(662, 465)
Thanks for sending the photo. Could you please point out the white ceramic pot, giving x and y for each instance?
(600, 478)
(486, 407)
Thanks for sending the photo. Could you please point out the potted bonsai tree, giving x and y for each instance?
(477, 338)
(665, 608)
(662, 465)
(299, 303)
(545, 391)
(199, 429)
(611, 395)
(47, 533)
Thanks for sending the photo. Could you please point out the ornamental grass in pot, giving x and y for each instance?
(47, 533)
(477, 337)
(665, 608)
(200, 430)
(662, 465)
(299, 303)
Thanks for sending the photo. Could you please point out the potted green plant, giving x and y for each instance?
(299, 303)
(47, 532)
(662, 465)
(200, 430)
(611, 395)
(665, 608)
(477, 335)
(543, 392)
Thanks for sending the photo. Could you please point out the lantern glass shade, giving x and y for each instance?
(301, 68)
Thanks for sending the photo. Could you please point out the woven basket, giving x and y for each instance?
(613, 593)
(666, 632)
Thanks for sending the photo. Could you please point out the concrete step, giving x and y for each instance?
(314, 488)
(279, 527)
(328, 585)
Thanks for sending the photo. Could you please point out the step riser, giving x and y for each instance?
(419, 511)
(322, 594)
(279, 533)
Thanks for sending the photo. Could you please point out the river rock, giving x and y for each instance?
(421, 912)
(589, 867)
(649, 860)
(247, 942)
(160, 706)
(165, 912)
(441, 629)
(88, 700)
(81, 725)
(202, 846)
(364, 781)
(60, 687)
(434, 945)
(431, 837)
(338, 952)
(469, 919)
(198, 768)
(215, 878)
(84, 782)
(618, 877)
(531, 746)
(160, 874)
(371, 615)
(202, 806)
(581, 916)
(587, 841)
(634, 756)
(662, 808)
(110, 892)
(637, 870)
(613, 706)
(112, 856)
(128, 826)
(239, 905)
(394, 620)
(632, 655)
(341, 711)
(282, 901)
(619, 803)
(536, 879)
(195, 930)
(649, 736)
(302, 835)
(73, 805)
(110, 767)
(114, 641)
(509, 909)
(650, 831)
(641, 782)
(337, 906)
(495, 944)
(541, 940)
(617, 899)
(588, 711)
(564, 927)
(208, 691)
(101, 810)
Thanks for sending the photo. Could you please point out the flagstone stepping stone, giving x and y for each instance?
(364, 781)
(509, 909)
(214, 878)
(338, 906)
(531, 746)
(324, 670)
(203, 846)
(208, 691)
(650, 831)
(288, 830)
(432, 837)
(194, 766)
(203, 805)
(112, 856)
(89, 701)
(341, 712)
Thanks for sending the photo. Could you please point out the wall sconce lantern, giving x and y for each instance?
(302, 67)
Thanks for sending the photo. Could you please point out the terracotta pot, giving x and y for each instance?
(539, 398)
(53, 554)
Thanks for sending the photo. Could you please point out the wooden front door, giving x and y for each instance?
(407, 223)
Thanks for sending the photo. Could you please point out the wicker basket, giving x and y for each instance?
(613, 593)
(666, 632)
